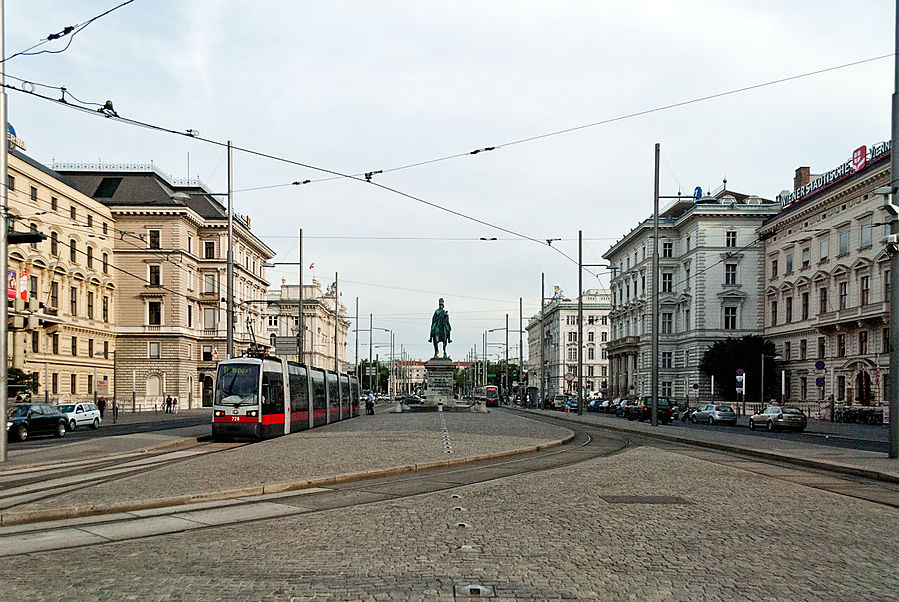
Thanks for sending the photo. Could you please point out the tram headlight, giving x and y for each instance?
(252, 413)
(219, 413)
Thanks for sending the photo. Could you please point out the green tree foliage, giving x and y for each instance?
(724, 358)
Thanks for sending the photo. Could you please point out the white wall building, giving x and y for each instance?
(710, 265)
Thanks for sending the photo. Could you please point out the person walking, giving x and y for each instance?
(101, 405)
(168, 404)
(174, 405)
(115, 409)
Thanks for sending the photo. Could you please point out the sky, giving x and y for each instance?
(353, 87)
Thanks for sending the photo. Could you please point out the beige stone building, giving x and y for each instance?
(67, 281)
(281, 315)
(171, 258)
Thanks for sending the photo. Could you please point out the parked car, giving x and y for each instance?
(779, 417)
(412, 400)
(81, 414)
(594, 405)
(621, 410)
(559, 401)
(714, 413)
(26, 419)
(572, 405)
(613, 406)
(642, 410)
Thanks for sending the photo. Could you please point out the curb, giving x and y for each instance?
(36, 516)
(806, 462)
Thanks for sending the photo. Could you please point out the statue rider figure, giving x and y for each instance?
(440, 329)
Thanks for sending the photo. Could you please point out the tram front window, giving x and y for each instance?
(237, 385)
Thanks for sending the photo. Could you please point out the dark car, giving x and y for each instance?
(622, 408)
(412, 400)
(595, 405)
(572, 405)
(779, 417)
(642, 410)
(26, 419)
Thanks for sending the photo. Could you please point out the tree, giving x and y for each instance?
(724, 358)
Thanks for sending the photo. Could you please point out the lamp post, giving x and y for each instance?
(776, 358)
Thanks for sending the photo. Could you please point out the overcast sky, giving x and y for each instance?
(362, 86)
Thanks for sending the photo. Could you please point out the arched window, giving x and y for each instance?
(272, 340)
(153, 386)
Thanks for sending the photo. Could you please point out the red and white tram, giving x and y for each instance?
(266, 397)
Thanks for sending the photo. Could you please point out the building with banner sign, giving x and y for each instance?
(63, 290)
(710, 262)
(827, 281)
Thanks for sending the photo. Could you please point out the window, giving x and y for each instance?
(603, 336)
(209, 318)
(33, 193)
(687, 319)
(54, 244)
(687, 276)
(32, 287)
(90, 305)
(667, 249)
(73, 250)
(667, 281)
(209, 250)
(885, 346)
(207, 353)
(730, 273)
(806, 257)
(774, 313)
(844, 294)
(73, 382)
(105, 263)
(35, 342)
(730, 238)
(10, 182)
(73, 301)
(864, 292)
(154, 313)
(90, 221)
(153, 239)
(154, 275)
(572, 354)
(822, 348)
(74, 346)
(789, 268)
(865, 236)
(805, 306)
(153, 350)
(844, 243)
(605, 319)
(54, 294)
(730, 318)
(667, 323)
(54, 341)
(54, 379)
(841, 345)
(53, 207)
(90, 257)
(886, 285)
(822, 297)
(72, 214)
(667, 359)
(105, 308)
(803, 348)
(90, 348)
(841, 388)
(190, 245)
(787, 351)
(824, 249)
(190, 316)
(666, 388)
(590, 353)
(190, 280)
(33, 229)
(789, 302)
(863, 342)
(106, 349)
(774, 268)
(590, 336)
(803, 387)
(105, 228)
(210, 282)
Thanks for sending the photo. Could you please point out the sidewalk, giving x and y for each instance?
(869, 464)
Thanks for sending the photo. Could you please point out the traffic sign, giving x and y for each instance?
(819, 365)
(739, 371)
(819, 381)
(570, 377)
(695, 386)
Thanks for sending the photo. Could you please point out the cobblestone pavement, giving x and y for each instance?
(556, 534)
(365, 443)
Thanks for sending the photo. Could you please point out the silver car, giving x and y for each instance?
(779, 417)
(714, 413)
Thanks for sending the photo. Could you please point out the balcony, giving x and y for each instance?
(879, 311)
(628, 343)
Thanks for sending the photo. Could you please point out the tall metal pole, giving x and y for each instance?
(506, 370)
(301, 334)
(356, 353)
(336, 321)
(655, 294)
(521, 350)
(580, 322)
(229, 327)
(4, 242)
(370, 366)
(542, 361)
(894, 265)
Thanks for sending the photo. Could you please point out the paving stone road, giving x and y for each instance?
(556, 534)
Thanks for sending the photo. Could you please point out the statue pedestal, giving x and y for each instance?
(439, 372)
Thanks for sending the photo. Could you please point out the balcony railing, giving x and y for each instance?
(850, 314)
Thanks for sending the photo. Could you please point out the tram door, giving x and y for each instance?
(273, 386)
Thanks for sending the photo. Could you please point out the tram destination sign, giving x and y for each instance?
(861, 158)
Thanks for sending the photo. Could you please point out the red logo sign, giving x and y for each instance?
(859, 158)
(235, 411)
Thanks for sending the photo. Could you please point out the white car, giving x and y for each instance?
(81, 414)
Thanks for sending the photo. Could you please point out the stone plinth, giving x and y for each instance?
(440, 382)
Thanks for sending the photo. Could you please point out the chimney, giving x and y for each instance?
(802, 177)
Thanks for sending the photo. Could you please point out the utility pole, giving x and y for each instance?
(356, 354)
(229, 303)
(4, 241)
(521, 349)
(370, 366)
(655, 293)
(336, 323)
(894, 263)
(542, 361)
(580, 322)
(506, 370)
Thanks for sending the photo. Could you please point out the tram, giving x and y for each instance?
(262, 397)
(489, 395)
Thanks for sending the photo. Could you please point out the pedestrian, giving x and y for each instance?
(174, 405)
(168, 404)
(115, 410)
(101, 405)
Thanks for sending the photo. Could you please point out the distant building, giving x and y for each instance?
(171, 256)
(560, 343)
(827, 281)
(68, 281)
(710, 263)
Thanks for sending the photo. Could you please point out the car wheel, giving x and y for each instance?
(770, 426)
(711, 420)
(61, 429)
(751, 425)
(72, 425)
(96, 424)
(22, 432)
